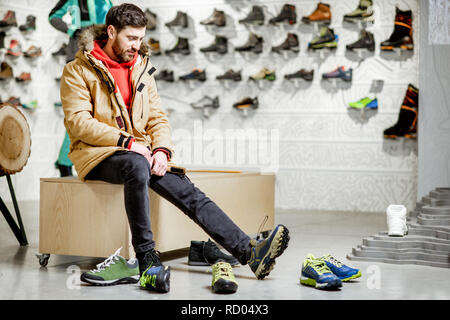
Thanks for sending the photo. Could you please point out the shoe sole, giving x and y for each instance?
(278, 245)
(127, 280)
(225, 286)
(327, 285)
(402, 47)
(357, 275)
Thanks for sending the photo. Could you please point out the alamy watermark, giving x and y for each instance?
(245, 148)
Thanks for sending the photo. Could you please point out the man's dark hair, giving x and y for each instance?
(126, 14)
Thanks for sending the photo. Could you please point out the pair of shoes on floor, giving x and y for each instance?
(326, 272)
(148, 270)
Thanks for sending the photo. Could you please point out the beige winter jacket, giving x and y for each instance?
(96, 118)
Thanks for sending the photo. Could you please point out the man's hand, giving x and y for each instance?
(159, 163)
(139, 148)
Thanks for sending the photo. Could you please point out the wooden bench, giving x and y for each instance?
(89, 219)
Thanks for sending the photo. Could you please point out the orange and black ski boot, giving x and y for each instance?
(406, 125)
(402, 37)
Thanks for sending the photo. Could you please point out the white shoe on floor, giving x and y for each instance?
(396, 220)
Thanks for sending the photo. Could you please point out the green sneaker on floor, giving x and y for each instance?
(316, 273)
(223, 280)
(264, 252)
(112, 271)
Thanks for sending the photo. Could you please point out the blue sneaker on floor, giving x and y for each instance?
(156, 278)
(316, 273)
(344, 273)
(264, 252)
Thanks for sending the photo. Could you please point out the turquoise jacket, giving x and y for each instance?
(92, 12)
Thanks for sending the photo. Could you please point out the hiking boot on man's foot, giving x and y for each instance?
(264, 252)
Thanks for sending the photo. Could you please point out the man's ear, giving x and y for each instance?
(112, 32)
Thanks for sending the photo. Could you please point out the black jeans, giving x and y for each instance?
(133, 170)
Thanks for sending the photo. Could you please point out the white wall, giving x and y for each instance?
(329, 158)
(434, 120)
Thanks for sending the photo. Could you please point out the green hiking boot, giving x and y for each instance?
(326, 39)
(264, 74)
(223, 280)
(264, 252)
(112, 271)
(364, 103)
(364, 12)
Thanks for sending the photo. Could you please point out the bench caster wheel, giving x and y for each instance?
(43, 259)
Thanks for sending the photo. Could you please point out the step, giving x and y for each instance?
(403, 250)
(433, 222)
(439, 194)
(444, 210)
(354, 257)
(429, 231)
(382, 236)
(435, 202)
(407, 243)
(405, 256)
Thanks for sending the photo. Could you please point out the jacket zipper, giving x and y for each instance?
(139, 79)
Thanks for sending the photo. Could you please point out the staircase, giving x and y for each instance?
(427, 242)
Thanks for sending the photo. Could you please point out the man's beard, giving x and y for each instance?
(122, 55)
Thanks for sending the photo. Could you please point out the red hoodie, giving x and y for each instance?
(120, 71)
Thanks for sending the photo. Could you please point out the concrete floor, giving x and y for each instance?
(21, 276)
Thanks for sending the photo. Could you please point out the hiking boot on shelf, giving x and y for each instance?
(366, 41)
(165, 75)
(14, 101)
(6, 71)
(15, 49)
(151, 20)
(62, 51)
(33, 52)
(301, 74)
(196, 74)
(9, 20)
(154, 275)
(206, 253)
(321, 14)
(402, 36)
(30, 24)
(247, 103)
(220, 45)
(287, 15)
(290, 44)
(24, 77)
(316, 273)
(325, 39)
(339, 73)
(155, 48)
(254, 44)
(223, 280)
(364, 12)
(182, 47)
(364, 103)
(255, 16)
(264, 74)
(217, 19)
(230, 75)
(114, 270)
(181, 20)
(198, 247)
(264, 252)
(2, 39)
(406, 125)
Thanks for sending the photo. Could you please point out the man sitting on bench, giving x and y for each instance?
(119, 134)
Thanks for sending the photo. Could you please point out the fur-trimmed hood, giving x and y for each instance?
(98, 32)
